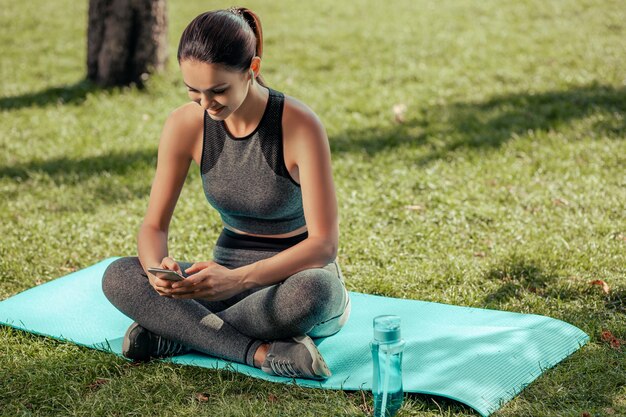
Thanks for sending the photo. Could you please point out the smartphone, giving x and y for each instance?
(166, 274)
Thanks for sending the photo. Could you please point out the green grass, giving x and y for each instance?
(513, 148)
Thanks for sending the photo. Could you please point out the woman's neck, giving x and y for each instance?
(247, 117)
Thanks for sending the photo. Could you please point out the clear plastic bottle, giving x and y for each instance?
(387, 347)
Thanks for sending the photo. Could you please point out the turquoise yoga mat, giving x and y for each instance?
(479, 357)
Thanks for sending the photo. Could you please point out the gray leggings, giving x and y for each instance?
(313, 302)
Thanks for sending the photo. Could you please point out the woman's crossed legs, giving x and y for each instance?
(312, 301)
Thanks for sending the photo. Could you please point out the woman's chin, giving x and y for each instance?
(221, 114)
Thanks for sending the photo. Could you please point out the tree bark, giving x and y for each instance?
(126, 40)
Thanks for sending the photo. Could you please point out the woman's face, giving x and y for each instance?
(219, 91)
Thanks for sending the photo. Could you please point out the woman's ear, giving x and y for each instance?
(255, 65)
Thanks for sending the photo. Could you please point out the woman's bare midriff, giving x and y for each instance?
(292, 233)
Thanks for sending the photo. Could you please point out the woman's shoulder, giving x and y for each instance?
(298, 116)
(188, 116)
(182, 131)
(185, 123)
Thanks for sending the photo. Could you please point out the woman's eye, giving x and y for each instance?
(216, 92)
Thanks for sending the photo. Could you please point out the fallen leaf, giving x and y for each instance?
(415, 207)
(398, 111)
(272, 398)
(202, 397)
(607, 336)
(585, 414)
(560, 202)
(604, 285)
(615, 343)
(479, 254)
(98, 383)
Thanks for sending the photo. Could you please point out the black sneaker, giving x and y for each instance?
(140, 344)
(297, 357)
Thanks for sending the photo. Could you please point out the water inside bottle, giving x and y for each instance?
(394, 402)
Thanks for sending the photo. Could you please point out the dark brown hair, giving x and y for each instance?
(229, 37)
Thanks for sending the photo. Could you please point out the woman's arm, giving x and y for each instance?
(309, 144)
(312, 153)
(174, 158)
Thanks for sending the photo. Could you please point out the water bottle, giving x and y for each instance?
(387, 348)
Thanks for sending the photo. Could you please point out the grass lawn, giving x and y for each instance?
(504, 187)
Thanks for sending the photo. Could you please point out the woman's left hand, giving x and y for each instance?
(209, 281)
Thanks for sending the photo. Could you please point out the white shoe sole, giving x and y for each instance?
(346, 313)
(319, 364)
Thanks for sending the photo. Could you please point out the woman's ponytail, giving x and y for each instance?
(254, 22)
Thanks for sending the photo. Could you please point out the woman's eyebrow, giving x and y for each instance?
(211, 88)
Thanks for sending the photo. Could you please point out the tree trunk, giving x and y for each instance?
(126, 40)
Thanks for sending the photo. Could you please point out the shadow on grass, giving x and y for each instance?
(68, 94)
(435, 131)
(518, 276)
(74, 172)
(490, 124)
(437, 404)
(616, 301)
(117, 163)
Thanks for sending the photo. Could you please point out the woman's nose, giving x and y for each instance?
(205, 101)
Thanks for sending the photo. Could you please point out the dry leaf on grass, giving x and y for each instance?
(399, 111)
(606, 335)
(604, 285)
(202, 397)
(615, 343)
(98, 383)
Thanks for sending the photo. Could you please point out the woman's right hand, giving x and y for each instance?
(164, 286)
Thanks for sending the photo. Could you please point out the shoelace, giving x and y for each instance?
(169, 347)
(284, 368)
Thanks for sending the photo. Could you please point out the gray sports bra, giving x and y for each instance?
(246, 180)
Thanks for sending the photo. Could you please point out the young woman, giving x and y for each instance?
(265, 164)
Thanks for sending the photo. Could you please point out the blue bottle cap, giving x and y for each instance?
(387, 329)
